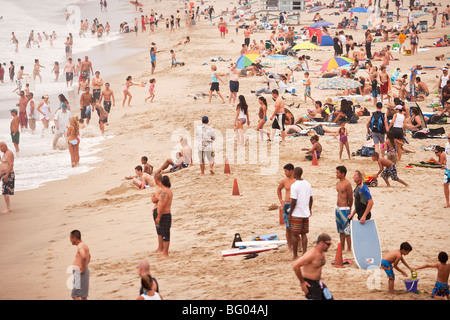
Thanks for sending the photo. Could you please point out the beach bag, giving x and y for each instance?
(367, 151)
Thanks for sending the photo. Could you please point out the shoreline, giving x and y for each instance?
(115, 218)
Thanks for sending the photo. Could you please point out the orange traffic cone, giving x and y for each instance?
(227, 167)
(338, 262)
(235, 188)
(315, 162)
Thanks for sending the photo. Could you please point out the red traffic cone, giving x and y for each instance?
(227, 167)
(338, 262)
(235, 188)
(315, 161)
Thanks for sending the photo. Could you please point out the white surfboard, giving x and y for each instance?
(260, 243)
(237, 251)
(365, 244)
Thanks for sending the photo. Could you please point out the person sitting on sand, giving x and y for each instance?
(441, 157)
(316, 147)
(142, 179)
(441, 289)
(183, 159)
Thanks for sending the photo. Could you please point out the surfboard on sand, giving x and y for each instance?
(139, 4)
(365, 244)
(266, 237)
(260, 243)
(236, 251)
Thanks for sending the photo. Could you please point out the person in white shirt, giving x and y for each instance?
(62, 122)
(447, 174)
(205, 137)
(301, 205)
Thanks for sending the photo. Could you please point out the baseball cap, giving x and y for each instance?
(205, 119)
(64, 106)
(398, 108)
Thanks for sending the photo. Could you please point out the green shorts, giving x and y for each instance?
(15, 137)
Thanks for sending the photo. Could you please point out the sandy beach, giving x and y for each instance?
(115, 217)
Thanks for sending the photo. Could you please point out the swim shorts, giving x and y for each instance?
(278, 122)
(286, 210)
(214, 86)
(299, 225)
(69, 76)
(440, 289)
(165, 223)
(390, 172)
(85, 114)
(387, 267)
(447, 176)
(81, 284)
(234, 86)
(318, 290)
(342, 222)
(23, 119)
(8, 186)
(15, 137)
(107, 106)
(307, 91)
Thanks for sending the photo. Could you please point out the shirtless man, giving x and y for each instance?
(286, 203)
(308, 269)
(163, 221)
(384, 84)
(7, 175)
(85, 108)
(155, 200)
(387, 56)
(80, 267)
(15, 41)
(23, 101)
(280, 115)
(86, 68)
(69, 70)
(247, 33)
(222, 25)
(82, 84)
(107, 97)
(14, 127)
(234, 83)
(19, 79)
(142, 179)
(97, 84)
(343, 206)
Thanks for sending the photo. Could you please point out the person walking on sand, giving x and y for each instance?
(205, 137)
(447, 173)
(163, 221)
(7, 175)
(363, 199)
(241, 118)
(234, 84)
(286, 184)
(279, 114)
(215, 78)
(14, 128)
(344, 205)
(69, 70)
(36, 70)
(108, 98)
(80, 265)
(308, 270)
(300, 211)
(73, 141)
(390, 171)
(262, 114)
(126, 91)
(155, 199)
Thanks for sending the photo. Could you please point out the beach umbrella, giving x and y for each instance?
(338, 83)
(279, 60)
(247, 59)
(359, 10)
(320, 24)
(314, 9)
(335, 62)
(305, 46)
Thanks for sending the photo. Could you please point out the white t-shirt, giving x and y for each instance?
(63, 119)
(301, 191)
(447, 153)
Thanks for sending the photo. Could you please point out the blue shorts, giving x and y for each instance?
(387, 267)
(447, 176)
(440, 289)
(286, 211)
(374, 93)
(342, 223)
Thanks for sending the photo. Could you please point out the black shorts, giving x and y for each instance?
(234, 86)
(96, 93)
(398, 133)
(214, 86)
(69, 76)
(276, 122)
(8, 186)
(318, 291)
(107, 106)
(85, 115)
(165, 223)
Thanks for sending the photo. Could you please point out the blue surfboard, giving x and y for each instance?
(365, 244)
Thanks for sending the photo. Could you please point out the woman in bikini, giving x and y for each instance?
(74, 141)
(343, 140)
(262, 118)
(126, 92)
(36, 70)
(241, 119)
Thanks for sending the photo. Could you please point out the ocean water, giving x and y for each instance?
(37, 162)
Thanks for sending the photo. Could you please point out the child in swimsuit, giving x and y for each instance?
(343, 140)
(151, 90)
(441, 288)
